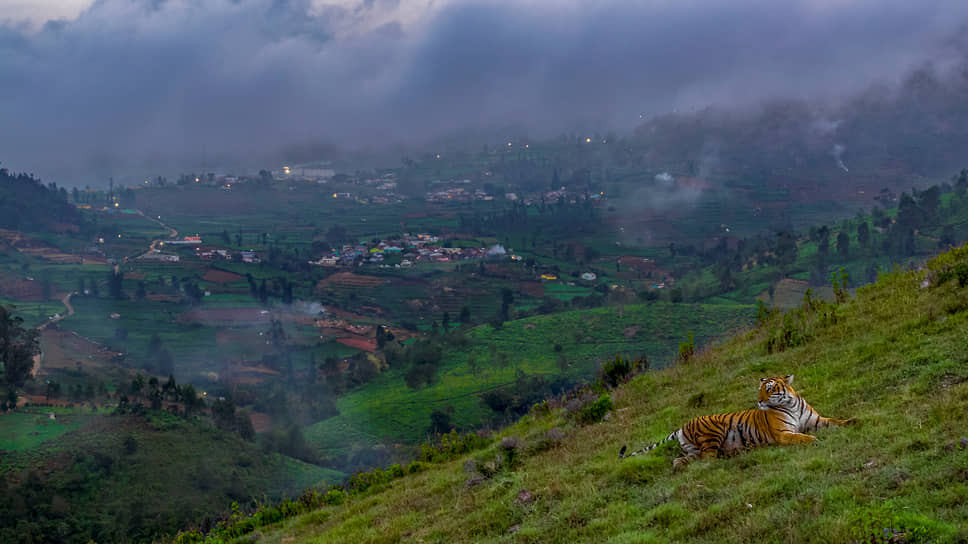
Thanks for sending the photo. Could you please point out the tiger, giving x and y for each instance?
(781, 417)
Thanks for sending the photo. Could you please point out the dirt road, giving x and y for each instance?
(172, 233)
(66, 301)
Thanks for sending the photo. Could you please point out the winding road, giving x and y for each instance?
(172, 233)
(66, 301)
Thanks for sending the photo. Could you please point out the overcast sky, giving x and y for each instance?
(87, 88)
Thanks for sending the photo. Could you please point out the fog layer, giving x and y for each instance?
(155, 83)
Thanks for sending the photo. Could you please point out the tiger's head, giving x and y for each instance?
(775, 392)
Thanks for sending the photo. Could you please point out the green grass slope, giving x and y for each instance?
(108, 478)
(386, 409)
(893, 357)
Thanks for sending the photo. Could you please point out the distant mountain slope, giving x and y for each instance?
(892, 357)
(809, 151)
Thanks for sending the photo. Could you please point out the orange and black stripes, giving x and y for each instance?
(782, 417)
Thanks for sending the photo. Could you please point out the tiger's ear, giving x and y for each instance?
(789, 379)
(762, 380)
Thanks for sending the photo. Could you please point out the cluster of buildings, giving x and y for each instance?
(207, 253)
(457, 194)
(411, 248)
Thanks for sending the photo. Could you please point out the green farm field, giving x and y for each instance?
(387, 410)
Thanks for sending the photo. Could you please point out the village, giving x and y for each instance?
(410, 248)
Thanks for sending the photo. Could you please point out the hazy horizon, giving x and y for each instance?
(118, 86)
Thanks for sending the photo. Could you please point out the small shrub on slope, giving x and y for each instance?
(620, 370)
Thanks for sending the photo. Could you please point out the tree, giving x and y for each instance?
(843, 244)
(18, 346)
(786, 249)
(507, 299)
(166, 365)
(947, 237)
(440, 422)
(115, 282)
(928, 201)
(962, 182)
(337, 235)
(223, 414)
(823, 241)
(277, 335)
(863, 234)
(381, 336)
(465, 315)
(675, 294)
(909, 214)
(724, 275)
(244, 425)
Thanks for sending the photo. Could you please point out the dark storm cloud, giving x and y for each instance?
(170, 82)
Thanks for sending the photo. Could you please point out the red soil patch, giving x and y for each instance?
(253, 374)
(65, 350)
(349, 279)
(20, 289)
(532, 289)
(36, 247)
(260, 422)
(43, 400)
(630, 332)
(220, 276)
(359, 343)
(230, 316)
(639, 263)
(158, 297)
(246, 339)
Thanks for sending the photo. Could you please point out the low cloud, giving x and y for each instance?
(184, 84)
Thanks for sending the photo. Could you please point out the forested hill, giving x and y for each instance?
(27, 204)
(892, 356)
(876, 139)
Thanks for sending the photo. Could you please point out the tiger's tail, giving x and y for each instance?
(673, 436)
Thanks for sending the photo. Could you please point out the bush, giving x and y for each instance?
(594, 412)
(687, 349)
(361, 481)
(952, 265)
(452, 445)
(335, 496)
(416, 466)
(550, 439)
(620, 370)
(786, 335)
(189, 537)
(511, 449)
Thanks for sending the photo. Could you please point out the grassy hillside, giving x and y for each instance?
(75, 474)
(492, 358)
(892, 357)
